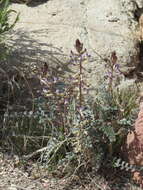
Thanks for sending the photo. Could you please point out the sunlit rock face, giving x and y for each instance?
(47, 32)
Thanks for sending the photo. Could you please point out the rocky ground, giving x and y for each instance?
(17, 176)
(46, 32)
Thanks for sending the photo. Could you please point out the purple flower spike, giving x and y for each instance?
(109, 74)
(55, 79)
(57, 91)
(87, 55)
(66, 101)
(113, 58)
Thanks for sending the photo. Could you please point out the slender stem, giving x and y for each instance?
(111, 81)
(80, 82)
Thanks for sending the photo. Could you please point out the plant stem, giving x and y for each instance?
(80, 83)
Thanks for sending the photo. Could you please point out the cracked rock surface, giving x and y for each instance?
(48, 31)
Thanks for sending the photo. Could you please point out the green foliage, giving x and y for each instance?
(119, 163)
(5, 13)
(5, 26)
(78, 132)
(98, 128)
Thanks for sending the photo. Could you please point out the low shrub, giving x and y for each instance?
(69, 130)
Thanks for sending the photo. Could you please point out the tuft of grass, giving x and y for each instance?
(5, 13)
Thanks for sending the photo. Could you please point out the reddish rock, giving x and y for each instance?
(134, 145)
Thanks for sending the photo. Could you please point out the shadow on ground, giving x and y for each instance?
(29, 56)
(27, 51)
(30, 3)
